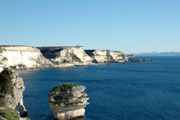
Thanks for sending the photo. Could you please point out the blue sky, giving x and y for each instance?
(131, 26)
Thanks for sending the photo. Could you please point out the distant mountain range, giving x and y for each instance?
(159, 54)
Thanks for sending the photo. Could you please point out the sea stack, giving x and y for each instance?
(68, 101)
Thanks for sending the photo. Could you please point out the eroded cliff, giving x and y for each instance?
(66, 56)
(106, 56)
(22, 57)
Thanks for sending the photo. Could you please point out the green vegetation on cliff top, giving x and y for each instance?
(64, 87)
(6, 85)
(9, 114)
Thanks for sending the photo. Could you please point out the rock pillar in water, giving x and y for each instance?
(68, 101)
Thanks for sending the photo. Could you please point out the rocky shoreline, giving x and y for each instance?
(14, 58)
(26, 57)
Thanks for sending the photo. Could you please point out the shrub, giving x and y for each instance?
(9, 114)
(6, 85)
(64, 87)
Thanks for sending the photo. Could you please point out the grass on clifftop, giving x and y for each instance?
(63, 87)
(6, 81)
(58, 93)
(9, 114)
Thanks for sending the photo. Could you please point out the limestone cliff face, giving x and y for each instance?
(106, 56)
(66, 56)
(22, 57)
(11, 91)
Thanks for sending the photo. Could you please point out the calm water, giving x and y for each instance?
(128, 91)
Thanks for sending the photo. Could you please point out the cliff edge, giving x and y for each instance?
(21, 57)
(106, 56)
(66, 56)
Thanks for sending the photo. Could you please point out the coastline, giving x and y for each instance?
(20, 58)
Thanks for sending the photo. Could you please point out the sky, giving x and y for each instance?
(130, 26)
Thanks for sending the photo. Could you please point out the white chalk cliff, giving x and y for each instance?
(22, 56)
(106, 56)
(66, 56)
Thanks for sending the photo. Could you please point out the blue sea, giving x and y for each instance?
(125, 91)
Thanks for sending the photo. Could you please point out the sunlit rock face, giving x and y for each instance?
(66, 56)
(68, 101)
(106, 56)
(22, 57)
(132, 58)
(11, 91)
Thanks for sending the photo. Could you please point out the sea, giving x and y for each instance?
(123, 91)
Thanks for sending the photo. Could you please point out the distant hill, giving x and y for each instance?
(159, 54)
